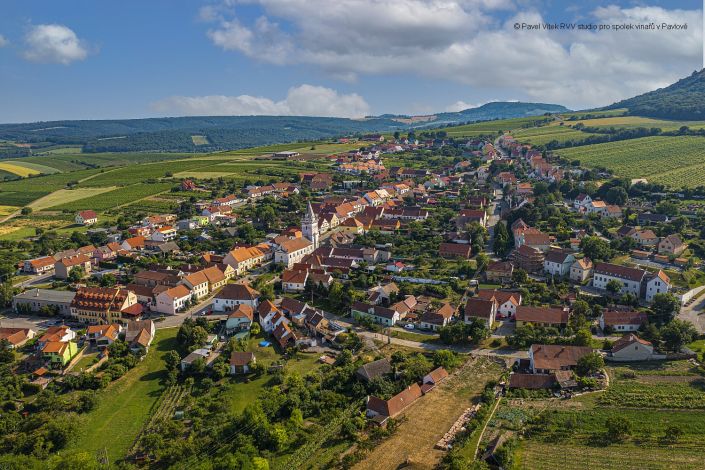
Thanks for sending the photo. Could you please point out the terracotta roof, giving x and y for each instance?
(237, 292)
(556, 357)
(294, 277)
(500, 296)
(196, 278)
(396, 404)
(500, 266)
(240, 358)
(612, 318)
(75, 260)
(583, 263)
(54, 347)
(177, 292)
(242, 311)
(88, 214)
(479, 308)
(628, 340)
(243, 253)
(295, 244)
(531, 381)
(556, 316)
(557, 256)
(438, 374)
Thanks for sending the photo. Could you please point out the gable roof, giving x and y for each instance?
(612, 318)
(374, 369)
(241, 358)
(628, 340)
(479, 308)
(237, 292)
(531, 314)
(556, 357)
(397, 403)
(622, 272)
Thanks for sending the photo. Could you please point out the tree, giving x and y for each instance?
(108, 280)
(520, 276)
(614, 286)
(445, 358)
(590, 364)
(665, 306)
(617, 195)
(26, 210)
(172, 360)
(77, 273)
(255, 329)
(672, 434)
(502, 242)
(618, 428)
(677, 334)
(482, 261)
(582, 338)
(596, 248)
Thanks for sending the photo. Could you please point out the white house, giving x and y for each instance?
(631, 348)
(630, 278)
(198, 284)
(240, 362)
(86, 218)
(294, 281)
(558, 262)
(233, 295)
(656, 284)
(163, 234)
(622, 321)
(581, 270)
(581, 201)
(172, 300)
(292, 251)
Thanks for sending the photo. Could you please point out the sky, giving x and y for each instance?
(84, 59)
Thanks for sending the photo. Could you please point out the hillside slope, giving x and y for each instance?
(685, 100)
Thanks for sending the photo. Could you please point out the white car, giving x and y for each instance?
(409, 326)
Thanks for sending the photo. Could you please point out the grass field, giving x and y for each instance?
(673, 161)
(571, 434)
(67, 196)
(125, 405)
(112, 199)
(7, 210)
(199, 140)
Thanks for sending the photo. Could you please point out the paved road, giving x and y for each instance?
(695, 314)
(34, 280)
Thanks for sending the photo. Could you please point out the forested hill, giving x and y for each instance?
(205, 134)
(189, 133)
(683, 100)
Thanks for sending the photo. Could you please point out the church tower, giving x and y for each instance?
(309, 226)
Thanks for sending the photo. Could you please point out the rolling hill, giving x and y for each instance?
(683, 100)
(213, 133)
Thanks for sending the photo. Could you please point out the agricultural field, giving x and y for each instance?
(18, 170)
(672, 161)
(588, 114)
(630, 122)
(67, 196)
(571, 434)
(199, 140)
(115, 198)
(545, 134)
(491, 127)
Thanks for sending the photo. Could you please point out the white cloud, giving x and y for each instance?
(461, 105)
(304, 100)
(54, 43)
(3, 41)
(463, 41)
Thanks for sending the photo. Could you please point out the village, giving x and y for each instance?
(508, 253)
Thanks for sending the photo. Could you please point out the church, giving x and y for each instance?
(292, 251)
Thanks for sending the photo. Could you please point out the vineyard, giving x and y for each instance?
(491, 127)
(571, 434)
(115, 198)
(631, 122)
(673, 161)
(546, 134)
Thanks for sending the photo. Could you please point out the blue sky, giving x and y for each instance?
(135, 58)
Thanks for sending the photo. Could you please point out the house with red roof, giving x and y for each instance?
(87, 217)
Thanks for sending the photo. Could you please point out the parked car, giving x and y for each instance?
(409, 326)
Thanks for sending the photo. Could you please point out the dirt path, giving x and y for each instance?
(430, 417)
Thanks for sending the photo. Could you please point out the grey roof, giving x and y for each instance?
(374, 369)
(47, 295)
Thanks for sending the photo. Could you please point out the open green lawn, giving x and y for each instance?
(673, 161)
(125, 405)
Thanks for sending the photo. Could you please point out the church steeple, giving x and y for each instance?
(309, 226)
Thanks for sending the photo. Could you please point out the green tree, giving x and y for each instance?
(172, 360)
(596, 248)
(445, 358)
(614, 286)
(502, 241)
(618, 428)
(590, 364)
(582, 338)
(665, 306)
(677, 334)
(77, 273)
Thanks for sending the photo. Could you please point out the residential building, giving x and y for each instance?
(622, 321)
(671, 245)
(293, 251)
(104, 305)
(507, 301)
(550, 358)
(374, 370)
(630, 278)
(542, 316)
(376, 313)
(454, 250)
(16, 337)
(381, 410)
(103, 335)
(581, 270)
(242, 259)
(241, 362)
(172, 300)
(527, 258)
(477, 308)
(64, 266)
(59, 353)
(239, 320)
(139, 335)
(42, 265)
(36, 300)
(631, 348)
(294, 281)
(434, 320)
(499, 271)
(233, 295)
(86, 218)
(558, 262)
(197, 283)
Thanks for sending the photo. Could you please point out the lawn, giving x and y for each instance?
(125, 405)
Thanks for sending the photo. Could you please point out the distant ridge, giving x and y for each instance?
(684, 100)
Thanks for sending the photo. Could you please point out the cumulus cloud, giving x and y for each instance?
(304, 100)
(465, 41)
(3, 41)
(461, 105)
(54, 43)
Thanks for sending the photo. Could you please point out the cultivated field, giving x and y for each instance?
(19, 170)
(66, 196)
(491, 127)
(629, 122)
(673, 161)
(115, 198)
(571, 434)
(432, 415)
(546, 134)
